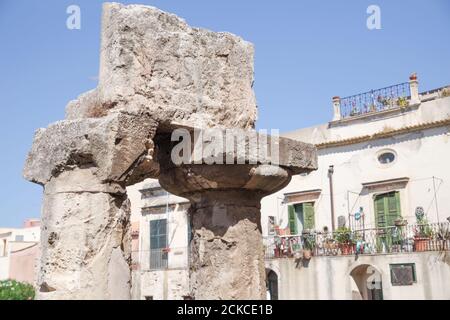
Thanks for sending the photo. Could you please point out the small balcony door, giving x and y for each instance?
(387, 210)
(158, 244)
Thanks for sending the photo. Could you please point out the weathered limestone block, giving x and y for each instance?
(153, 60)
(111, 144)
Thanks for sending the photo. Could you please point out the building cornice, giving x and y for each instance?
(383, 134)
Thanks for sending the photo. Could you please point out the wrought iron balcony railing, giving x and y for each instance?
(395, 239)
(376, 100)
(160, 259)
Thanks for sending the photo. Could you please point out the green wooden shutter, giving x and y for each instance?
(292, 220)
(379, 211)
(393, 208)
(308, 215)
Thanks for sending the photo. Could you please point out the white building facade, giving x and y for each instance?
(370, 223)
(161, 256)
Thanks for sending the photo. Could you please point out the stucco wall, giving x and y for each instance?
(23, 264)
(164, 284)
(329, 277)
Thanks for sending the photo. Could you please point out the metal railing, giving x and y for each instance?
(160, 259)
(376, 100)
(395, 239)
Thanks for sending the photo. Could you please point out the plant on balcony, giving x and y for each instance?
(422, 235)
(386, 102)
(14, 290)
(400, 222)
(402, 102)
(343, 236)
(443, 236)
(445, 92)
(309, 243)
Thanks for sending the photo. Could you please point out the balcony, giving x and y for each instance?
(392, 97)
(160, 259)
(344, 242)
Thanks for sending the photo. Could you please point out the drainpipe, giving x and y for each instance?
(330, 177)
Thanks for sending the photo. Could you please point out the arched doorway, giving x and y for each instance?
(367, 284)
(271, 284)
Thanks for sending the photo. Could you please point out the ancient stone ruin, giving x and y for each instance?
(157, 74)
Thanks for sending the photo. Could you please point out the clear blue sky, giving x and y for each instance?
(306, 52)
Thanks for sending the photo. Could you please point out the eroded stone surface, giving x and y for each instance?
(111, 144)
(227, 253)
(153, 60)
(85, 239)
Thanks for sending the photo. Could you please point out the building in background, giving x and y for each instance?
(160, 258)
(19, 251)
(370, 223)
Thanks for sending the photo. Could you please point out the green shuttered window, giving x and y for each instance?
(302, 212)
(387, 209)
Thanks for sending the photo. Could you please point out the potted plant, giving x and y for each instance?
(309, 244)
(422, 235)
(443, 237)
(343, 236)
(445, 92)
(400, 222)
(402, 102)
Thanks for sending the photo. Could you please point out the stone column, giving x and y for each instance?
(85, 239)
(84, 166)
(227, 253)
(226, 250)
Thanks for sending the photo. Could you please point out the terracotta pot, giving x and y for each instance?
(400, 223)
(347, 249)
(421, 244)
(307, 254)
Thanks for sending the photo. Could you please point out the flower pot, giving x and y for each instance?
(400, 223)
(421, 244)
(307, 254)
(347, 249)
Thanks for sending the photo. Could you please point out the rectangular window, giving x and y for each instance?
(19, 238)
(403, 274)
(158, 244)
(301, 217)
